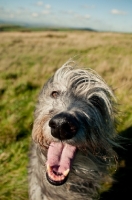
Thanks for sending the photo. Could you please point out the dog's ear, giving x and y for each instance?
(99, 103)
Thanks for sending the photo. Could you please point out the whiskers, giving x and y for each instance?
(84, 173)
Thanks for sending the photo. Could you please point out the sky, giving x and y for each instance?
(101, 15)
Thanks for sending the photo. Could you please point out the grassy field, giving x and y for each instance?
(27, 60)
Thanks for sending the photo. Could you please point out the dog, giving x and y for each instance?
(74, 135)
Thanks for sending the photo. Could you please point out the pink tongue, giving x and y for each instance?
(60, 156)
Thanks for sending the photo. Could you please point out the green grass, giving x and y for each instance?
(13, 165)
(27, 60)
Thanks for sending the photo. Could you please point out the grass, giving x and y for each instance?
(27, 60)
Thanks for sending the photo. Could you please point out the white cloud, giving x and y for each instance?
(88, 6)
(45, 12)
(35, 14)
(47, 6)
(68, 12)
(40, 3)
(87, 16)
(11, 16)
(82, 17)
(118, 12)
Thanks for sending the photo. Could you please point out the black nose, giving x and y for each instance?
(63, 126)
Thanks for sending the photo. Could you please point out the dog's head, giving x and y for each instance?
(74, 122)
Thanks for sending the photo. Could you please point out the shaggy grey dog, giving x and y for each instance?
(73, 136)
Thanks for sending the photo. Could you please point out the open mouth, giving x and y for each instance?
(59, 161)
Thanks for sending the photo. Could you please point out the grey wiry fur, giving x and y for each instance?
(84, 95)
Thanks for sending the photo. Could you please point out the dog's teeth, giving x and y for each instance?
(65, 173)
(48, 168)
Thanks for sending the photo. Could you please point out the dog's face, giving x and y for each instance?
(74, 122)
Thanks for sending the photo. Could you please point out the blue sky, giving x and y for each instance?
(102, 15)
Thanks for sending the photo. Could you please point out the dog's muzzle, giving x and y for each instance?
(60, 155)
(63, 126)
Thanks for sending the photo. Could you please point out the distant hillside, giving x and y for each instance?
(12, 27)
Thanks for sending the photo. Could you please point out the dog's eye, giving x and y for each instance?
(54, 94)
